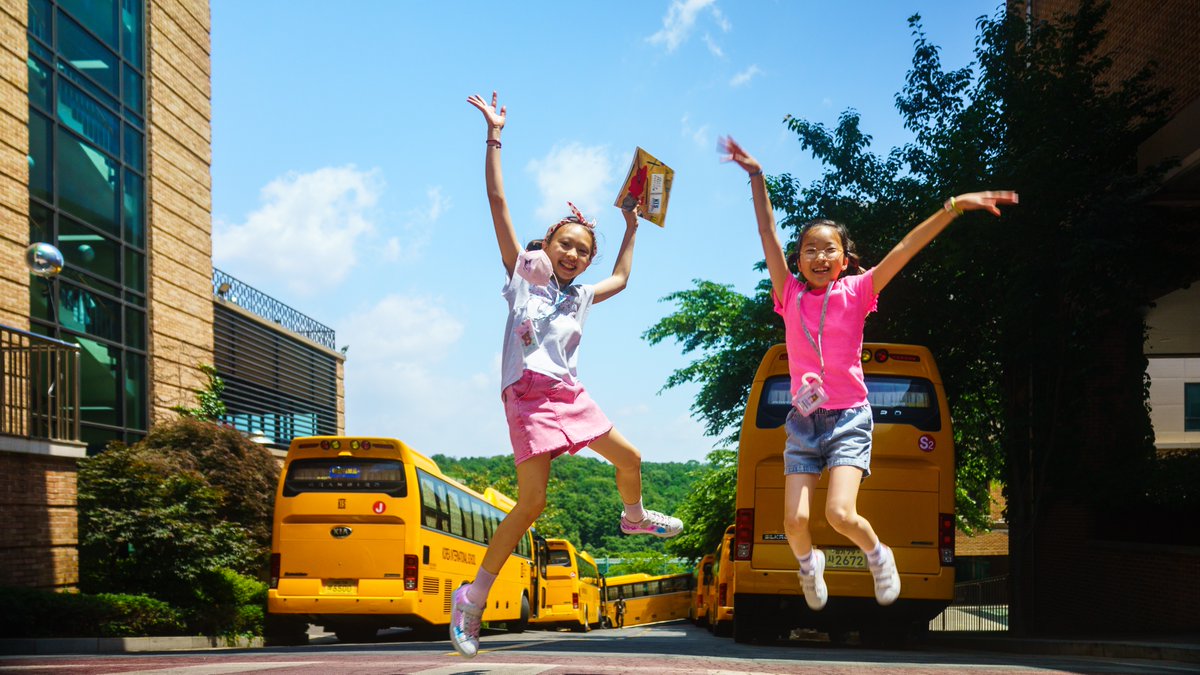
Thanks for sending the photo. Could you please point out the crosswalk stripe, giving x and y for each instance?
(490, 669)
(222, 668)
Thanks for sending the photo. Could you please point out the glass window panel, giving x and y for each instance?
(132, 18)
(40, 83)
(135, 299)
(39, 21)
(41, 223)
(89, 282)
(1191, 406)
(41, 146)
(97, 439)
(135, 328)
(88, 185)
(87, 54)
(39, 294)
(99, 16)
(100, 388)
(82, 311)
(87, 249)
(135, 211)
(134, 119)
(135, 271)
(132, 93)
(135, 391)
(135, 149)
(66, 72)
(39, 50)
(83, 115)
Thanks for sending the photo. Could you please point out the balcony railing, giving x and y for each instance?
(254, 300)
(39, 386)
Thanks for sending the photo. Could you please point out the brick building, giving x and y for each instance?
(105, 151)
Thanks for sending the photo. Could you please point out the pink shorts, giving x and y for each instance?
(547, 415)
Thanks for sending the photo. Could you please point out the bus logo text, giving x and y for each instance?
(455, 555)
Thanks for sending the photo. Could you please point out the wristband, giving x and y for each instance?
(756, 173)
(493, 143)
(951, 206)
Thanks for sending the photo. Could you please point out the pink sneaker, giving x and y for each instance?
(464, 623)
(653, 523)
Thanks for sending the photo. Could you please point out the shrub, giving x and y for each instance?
(30, 612)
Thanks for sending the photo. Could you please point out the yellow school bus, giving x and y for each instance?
(702, 580)
(570, 592)
(722, 588)
(648, 598)
(909, 500)
(369, 534)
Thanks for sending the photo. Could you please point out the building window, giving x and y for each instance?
(86, 196)
(1191, 406)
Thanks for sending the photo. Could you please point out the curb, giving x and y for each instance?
(41, 646)
(1131, 649)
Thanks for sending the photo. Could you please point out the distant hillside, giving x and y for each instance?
(582, 503)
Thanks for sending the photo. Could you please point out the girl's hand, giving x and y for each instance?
(732, 152)
(982, 201)
(494, 119)
(631, 215)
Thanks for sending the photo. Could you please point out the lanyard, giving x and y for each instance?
(559, 298)
(816, 344)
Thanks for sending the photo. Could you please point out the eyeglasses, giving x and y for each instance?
(829, 253)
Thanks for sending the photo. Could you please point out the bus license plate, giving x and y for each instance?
(845, 559)
(340, 586)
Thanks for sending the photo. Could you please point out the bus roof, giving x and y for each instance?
(878, 358)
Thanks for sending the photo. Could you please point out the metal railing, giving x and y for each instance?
(39, 386)
(980, 605)
(250, 298)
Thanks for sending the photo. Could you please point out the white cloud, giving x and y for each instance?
(745, 76)
(418, 224)
(700, 136)
(681, 18)
(307, 221)
(582, 175)
(713, 47)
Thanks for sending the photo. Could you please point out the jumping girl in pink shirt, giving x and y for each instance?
(830, 424)
(549, 412)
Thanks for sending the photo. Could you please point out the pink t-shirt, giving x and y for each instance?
(853, 297)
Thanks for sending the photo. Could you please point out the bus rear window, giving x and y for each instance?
(345, 474)
(893, 399)
(559, 557)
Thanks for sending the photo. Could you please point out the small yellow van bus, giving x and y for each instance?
(909, 499)
(648, 598)
(722, 589)
(703, 579)
(570, 593)
(369, 534)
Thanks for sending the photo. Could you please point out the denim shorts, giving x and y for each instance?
(828, 438)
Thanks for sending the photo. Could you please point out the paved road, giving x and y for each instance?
(667, 649)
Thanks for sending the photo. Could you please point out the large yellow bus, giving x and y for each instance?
(570, 590)
(369, 534)
(648, 598)
(703, 579)
(909, 499)
(722, 589)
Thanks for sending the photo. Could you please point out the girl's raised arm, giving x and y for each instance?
(506, 236)
(922, 234)
(624, 265)
(772, 249)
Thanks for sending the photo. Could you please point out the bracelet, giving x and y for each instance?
(756, 173)
(493, 143)
(951, 206)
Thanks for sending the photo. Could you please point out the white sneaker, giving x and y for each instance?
(654, 523)
(887, 579)
(464, 623)
(816, 593)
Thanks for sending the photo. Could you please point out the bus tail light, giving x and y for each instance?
(946, 538)
(276, 565)
(410, 572)
(574, 601)
(743, 534)
(722, 592)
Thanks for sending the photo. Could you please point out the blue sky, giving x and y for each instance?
(348, 174)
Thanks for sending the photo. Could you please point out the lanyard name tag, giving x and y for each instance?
(810, 395)
(527, 336)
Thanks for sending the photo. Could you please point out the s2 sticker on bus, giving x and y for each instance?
(926, 443)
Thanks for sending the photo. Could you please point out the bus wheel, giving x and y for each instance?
(520, 625)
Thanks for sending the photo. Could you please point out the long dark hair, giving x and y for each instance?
(852, 258)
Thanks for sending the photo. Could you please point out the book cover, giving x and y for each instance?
(647, 184)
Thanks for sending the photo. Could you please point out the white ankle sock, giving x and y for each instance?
(876, 557)
(806, 563)
(477, 592)
(634, 512)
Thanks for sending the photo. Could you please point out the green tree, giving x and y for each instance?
(209, 406)
(708, 508)
(1036, 319)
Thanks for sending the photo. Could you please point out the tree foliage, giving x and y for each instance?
(708, 508)
(209, 406)
(1022, 313)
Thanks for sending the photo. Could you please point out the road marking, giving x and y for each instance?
(222, 668)
(496, 668)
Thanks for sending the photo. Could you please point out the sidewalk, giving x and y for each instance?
(1184, 648)
(44, 646)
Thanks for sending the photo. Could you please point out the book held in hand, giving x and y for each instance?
(648, 185)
